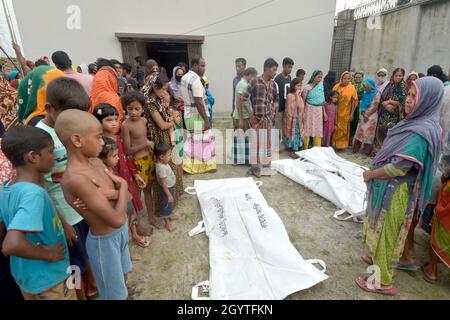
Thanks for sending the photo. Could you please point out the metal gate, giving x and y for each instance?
(343, 36)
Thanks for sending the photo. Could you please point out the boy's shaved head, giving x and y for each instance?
(75, 121)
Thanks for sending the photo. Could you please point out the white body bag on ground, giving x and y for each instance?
(339, 181)
(251, 256)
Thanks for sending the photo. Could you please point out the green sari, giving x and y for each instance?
(391, 205)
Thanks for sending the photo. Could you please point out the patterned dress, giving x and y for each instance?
(313, 116)
(396, 92)
(161, 136)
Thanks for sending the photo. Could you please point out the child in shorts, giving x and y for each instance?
(86, 179)
(166, 181)
(139, 148)
(125, 168)
(64, 94)
(35, 238)
(110, 157)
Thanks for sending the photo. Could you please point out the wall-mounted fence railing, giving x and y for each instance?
(375, 7)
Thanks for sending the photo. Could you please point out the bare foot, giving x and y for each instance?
(154, 222)
(183, 196)
(135, 257)
(174, 217)
(145, 232)
(169, 226)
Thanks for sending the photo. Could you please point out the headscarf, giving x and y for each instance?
(174, 84)
(424, 121)
(316, 96)
(328, 82)
(395, 91)
(32, 92)
(381, 85)
(84, 68)
(368, 96)
(444, 164)
(149, 66)
(13, 75)
(105, 89)
(438, 72)
(413, 73)
(359, 86)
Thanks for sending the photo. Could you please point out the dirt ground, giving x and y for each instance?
(174, 263)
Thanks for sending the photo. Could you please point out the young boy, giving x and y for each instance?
(35, 238)
(138, 147)
(87, 180)
(166, 180)
(63, 94)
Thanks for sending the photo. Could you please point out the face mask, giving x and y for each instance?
(382, 78)
(178, 78)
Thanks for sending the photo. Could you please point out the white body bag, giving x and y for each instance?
(251, 256)
(339, 181)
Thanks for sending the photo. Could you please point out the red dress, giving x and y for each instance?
(126, 169)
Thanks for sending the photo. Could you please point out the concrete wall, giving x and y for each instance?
(413, 37)
(42, 25)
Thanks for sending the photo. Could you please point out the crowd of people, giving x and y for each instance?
(88, 151)
(396, 121)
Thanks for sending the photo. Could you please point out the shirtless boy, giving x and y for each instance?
(139, 148)
(87, 180)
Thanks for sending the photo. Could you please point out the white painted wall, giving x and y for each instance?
(42, 26)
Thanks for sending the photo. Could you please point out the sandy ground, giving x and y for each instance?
(174, 262)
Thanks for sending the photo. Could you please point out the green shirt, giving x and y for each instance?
(53, 179)
(241, 89)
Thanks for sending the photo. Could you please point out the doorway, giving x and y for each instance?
(167, 50)
(168, 54)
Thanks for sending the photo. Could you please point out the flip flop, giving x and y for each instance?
(143, 244)
(410, 267)
(362, 283)
(426, 277)
(367, 259)
(155, 224)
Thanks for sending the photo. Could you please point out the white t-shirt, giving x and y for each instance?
(191, 88)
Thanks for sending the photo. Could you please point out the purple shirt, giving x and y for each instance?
(84, 79)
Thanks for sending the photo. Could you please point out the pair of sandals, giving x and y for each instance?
(363, 283)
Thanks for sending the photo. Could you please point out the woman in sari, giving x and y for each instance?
(440, 234)
(160, 124)
(314, 99)
(294, 118)
(347, 103)
(400, 180)
(392, 103)
(382, 82)
(105, 89)
(358, 82)
(367, 126)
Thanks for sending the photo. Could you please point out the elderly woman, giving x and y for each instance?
(400, 180)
